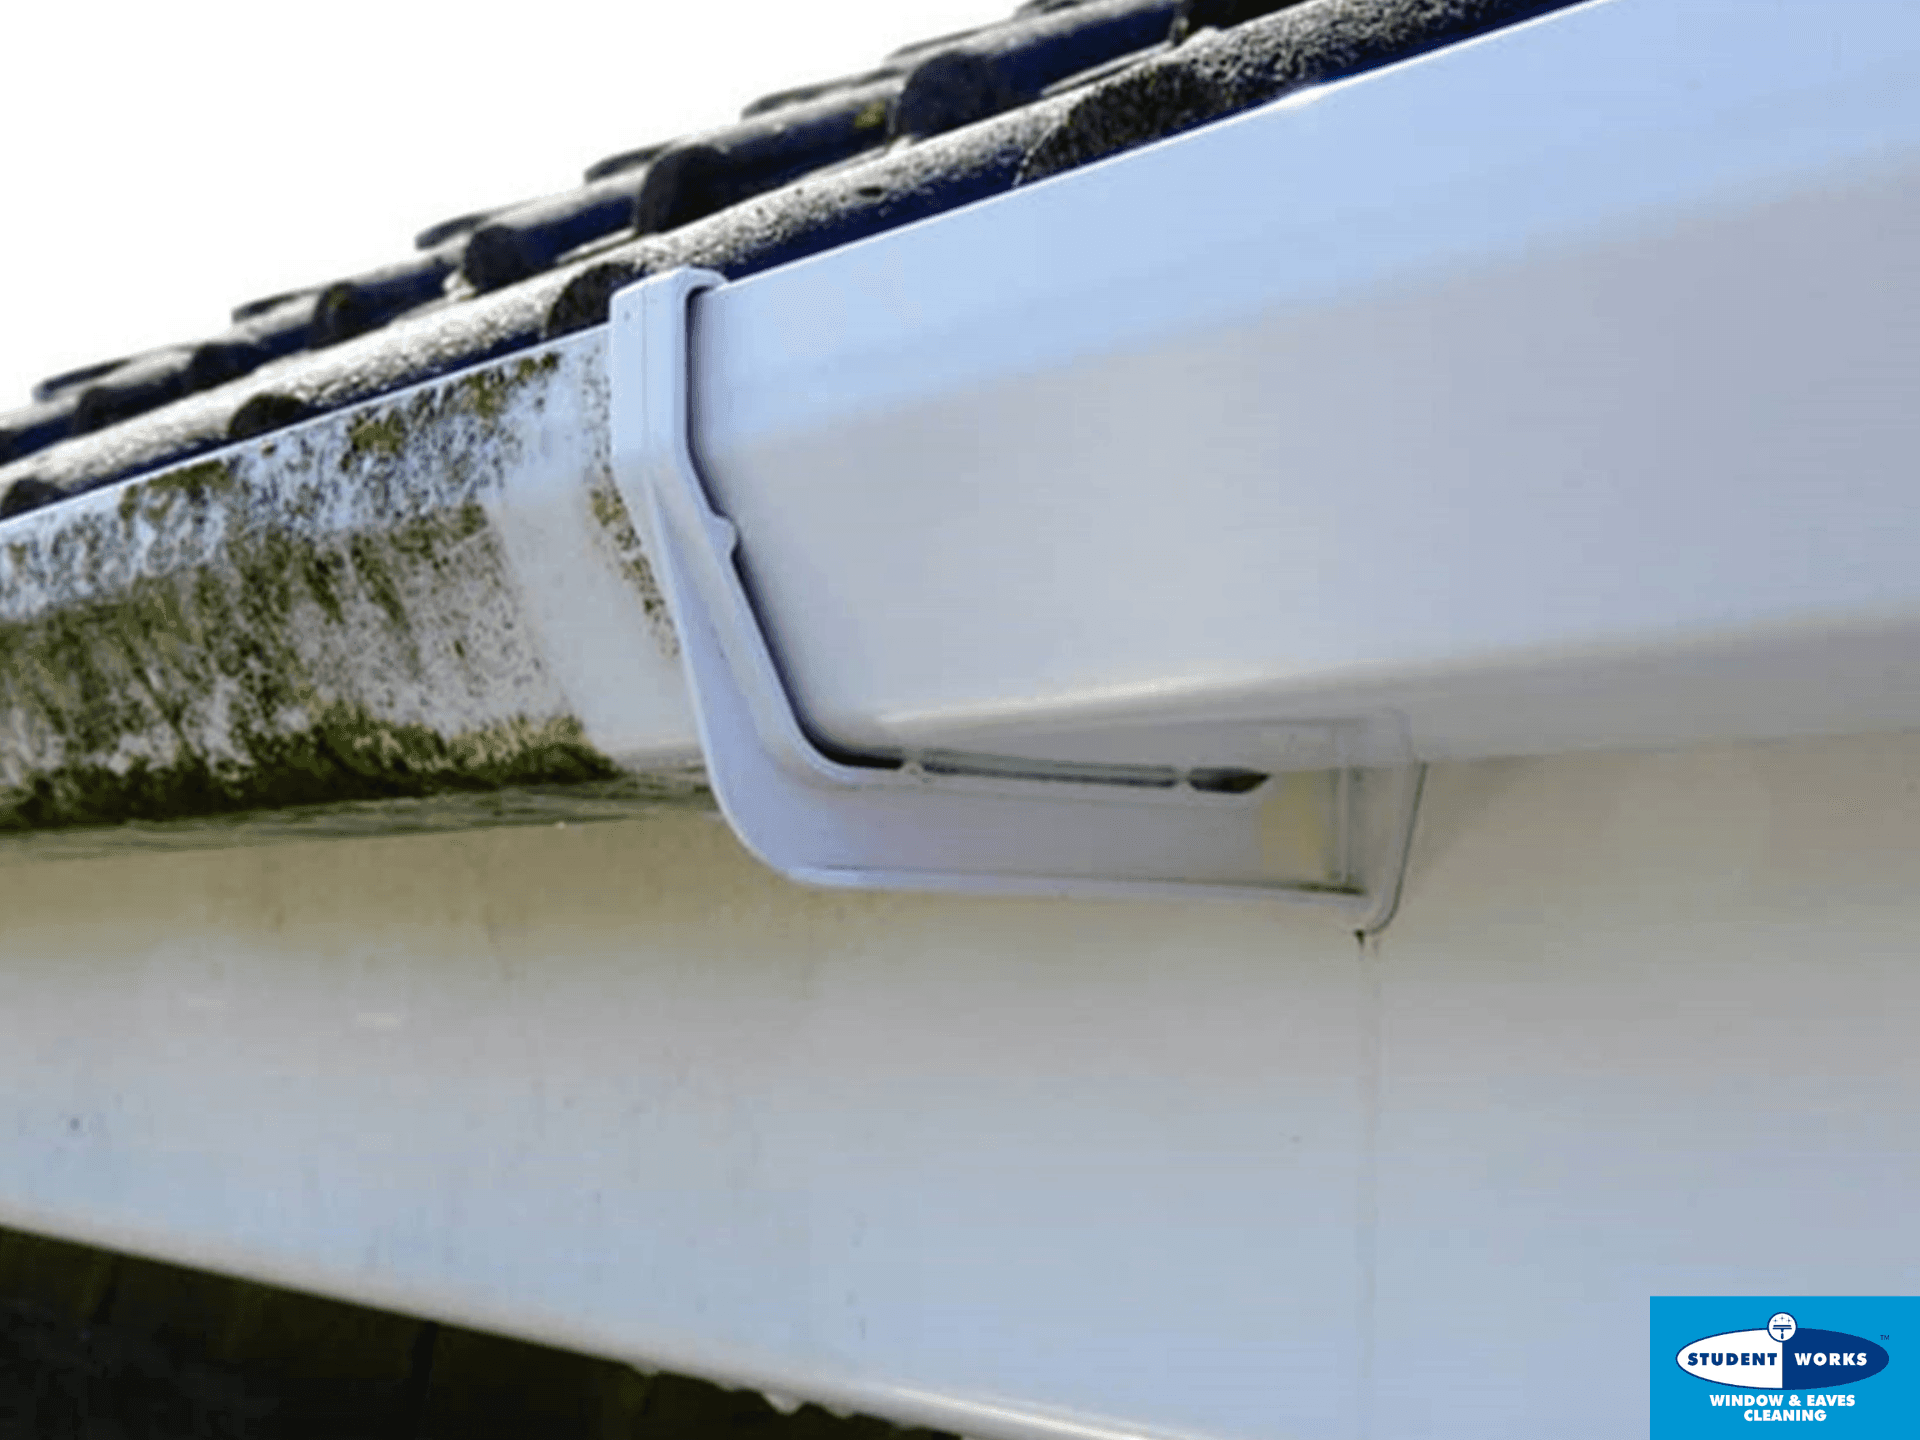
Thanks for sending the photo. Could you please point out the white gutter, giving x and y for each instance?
(1552, 392)
(1549, 392)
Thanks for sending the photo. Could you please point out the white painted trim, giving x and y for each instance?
(1018, 1167)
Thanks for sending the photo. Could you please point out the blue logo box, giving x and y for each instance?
(1845, 1365)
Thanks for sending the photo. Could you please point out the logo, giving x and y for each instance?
(1724, 1364)
(1783, 1355)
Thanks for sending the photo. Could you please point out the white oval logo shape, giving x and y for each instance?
(1747, 1358)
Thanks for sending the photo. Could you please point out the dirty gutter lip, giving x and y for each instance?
(437, 593)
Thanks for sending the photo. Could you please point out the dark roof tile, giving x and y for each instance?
(1094, 74)
(439, 233)
(264, 336)
(354, 306)
(582, 302)
(1059, 84)
(285, 327)
(1197, 15)
(418, 346)
(24, 494)
(101, 396)
(1012, 65)
(1220, 72)
(527, 239)
(822, 212)
(821, 89)
(710, 172)
(267, 410)
(73, 379)
(625, 160)
(24, 432)
(132, 389)
(919, 48)
(223, 358)
(252, 308)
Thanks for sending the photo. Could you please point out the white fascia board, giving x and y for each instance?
(1061, 1171)
(1553, 391)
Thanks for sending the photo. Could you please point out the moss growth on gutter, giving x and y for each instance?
(240, 634)
(170, 663)
(388, 432)
(202, 668)
(611, 515)
(383, 434)
(325, 621)
(196, 484)
(345, 754)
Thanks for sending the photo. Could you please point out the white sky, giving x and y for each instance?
(161, 163)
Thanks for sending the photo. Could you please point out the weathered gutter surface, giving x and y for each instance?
(439, 593)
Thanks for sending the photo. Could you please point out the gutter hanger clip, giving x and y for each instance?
(1335, 835)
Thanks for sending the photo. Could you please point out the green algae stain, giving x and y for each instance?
(610, 510)
(369, 559)
(199, 484)
(195, 693)
(434, 544)
(519, 751)
(529, 366)
(344, 754)
(117, 700)
(486, 393)
(382, 435)
(325, 573)
(399, 429)
(610, 513)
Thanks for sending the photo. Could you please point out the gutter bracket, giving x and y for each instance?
(1334, 835)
